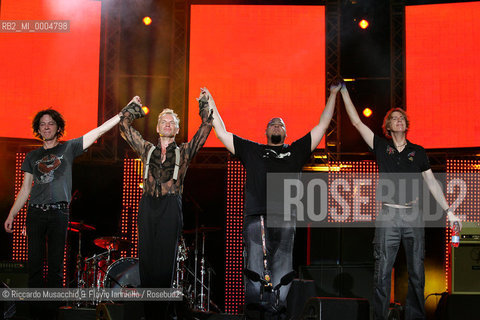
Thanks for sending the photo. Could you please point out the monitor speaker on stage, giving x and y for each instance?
(321, 308)
(341, 281)
(120, 311)
(14, 274)
(466, 261)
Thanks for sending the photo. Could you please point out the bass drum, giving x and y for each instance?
(123, 273)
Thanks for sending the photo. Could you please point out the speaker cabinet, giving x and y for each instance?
(319, 308)
(458, 307)
(341, 281)
(68, 313)
(466, 261)
(300, 291)
(129, 310)
(14, 274)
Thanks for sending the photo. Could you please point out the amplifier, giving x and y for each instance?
(466, 261)
(14, 274)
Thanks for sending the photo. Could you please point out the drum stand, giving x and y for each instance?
(199, 299)
(202, 301)
(80, 281)
(80, 272)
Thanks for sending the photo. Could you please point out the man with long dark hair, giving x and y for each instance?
(48, 181)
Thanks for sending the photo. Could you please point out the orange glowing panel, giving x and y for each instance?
(55, 69)
(258, 62)
(442, 69)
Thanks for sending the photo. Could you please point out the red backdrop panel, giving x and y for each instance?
(442, 68)
(59, 70)
(258, 62)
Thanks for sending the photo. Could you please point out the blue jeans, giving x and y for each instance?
(279, 244)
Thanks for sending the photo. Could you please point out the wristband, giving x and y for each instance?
(134, 109)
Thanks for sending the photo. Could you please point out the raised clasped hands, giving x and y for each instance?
(336, 85)
(205, 93)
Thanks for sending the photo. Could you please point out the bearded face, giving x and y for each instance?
(276, 131)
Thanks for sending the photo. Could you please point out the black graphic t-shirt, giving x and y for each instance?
(259, 159)
(52, 171)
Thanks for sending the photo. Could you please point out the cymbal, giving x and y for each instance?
(202, 229)
(112, 243)
(80, 226)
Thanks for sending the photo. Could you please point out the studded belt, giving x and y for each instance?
(49, 206)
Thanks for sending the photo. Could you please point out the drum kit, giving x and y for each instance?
(193, 275)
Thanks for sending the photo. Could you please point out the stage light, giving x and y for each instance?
(145, 109)
(132, 178)
(234, 292)
(363, 24)
(147, 21)
(367, 112)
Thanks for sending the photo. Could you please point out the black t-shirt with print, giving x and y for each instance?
(52, 171)
(259, 159)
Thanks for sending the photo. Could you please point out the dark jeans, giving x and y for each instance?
(46, 232)
(279, 243)
(159, 226)
(386, 243)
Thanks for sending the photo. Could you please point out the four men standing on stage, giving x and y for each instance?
(268, 251)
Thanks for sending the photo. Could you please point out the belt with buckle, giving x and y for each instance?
(50, 206)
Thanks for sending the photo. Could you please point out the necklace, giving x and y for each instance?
(402, 145)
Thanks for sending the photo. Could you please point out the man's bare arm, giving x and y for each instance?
(438, 194)
(319, 130)
(365, 132)
(20, 201)
(93, 135)
(222, 134)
